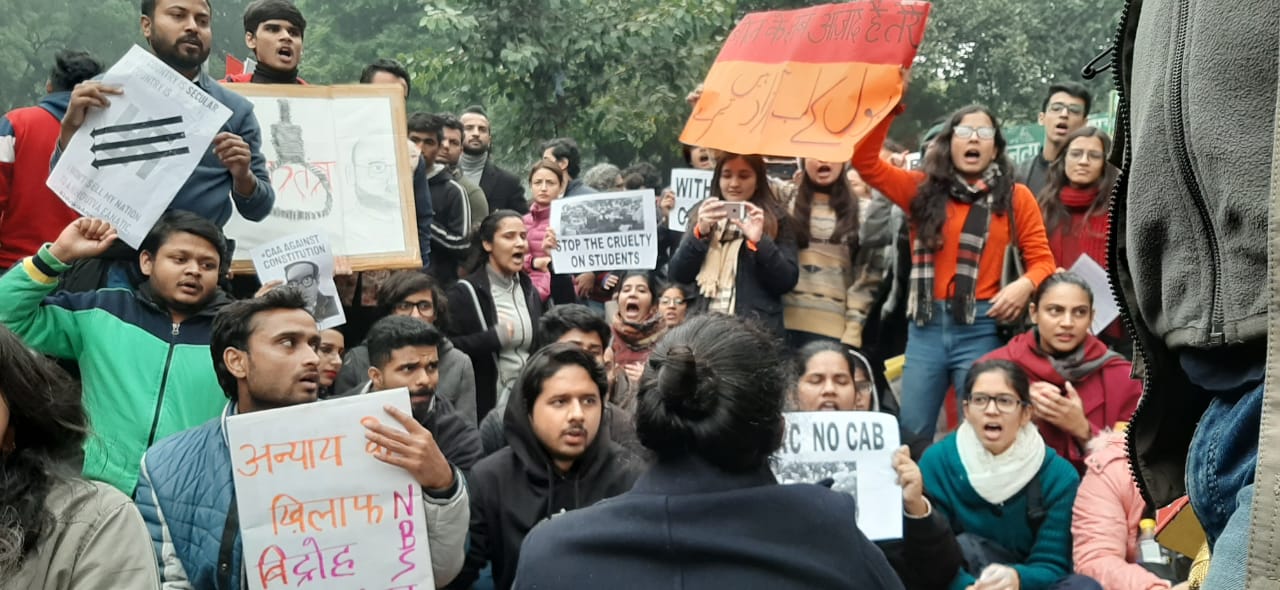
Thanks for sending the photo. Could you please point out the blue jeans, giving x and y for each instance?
(1220, 473)
(939, 354)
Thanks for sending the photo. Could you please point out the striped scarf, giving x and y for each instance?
(973, 237)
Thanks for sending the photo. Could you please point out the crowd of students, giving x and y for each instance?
(610, 427)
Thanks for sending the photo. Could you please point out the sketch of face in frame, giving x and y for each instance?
(305, 276)
(373, 166)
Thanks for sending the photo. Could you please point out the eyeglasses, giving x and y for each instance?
(1082, 154)
(1058, 107)
(863, 387)
(1004, 403)
(305, 281)
(670, 301)
(965, 132)
(424, 307)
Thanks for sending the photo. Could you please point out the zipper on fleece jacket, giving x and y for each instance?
(164, 384)
(1119, 193)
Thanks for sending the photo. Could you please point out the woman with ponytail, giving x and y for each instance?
(710, 409)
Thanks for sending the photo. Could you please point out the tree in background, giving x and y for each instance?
(613, 74)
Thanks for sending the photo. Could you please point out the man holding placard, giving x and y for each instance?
(264, 354)
(143, 355)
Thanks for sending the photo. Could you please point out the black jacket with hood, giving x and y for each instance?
(517, 487)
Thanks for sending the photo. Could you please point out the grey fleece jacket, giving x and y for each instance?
(1202, 96)
(457, 381)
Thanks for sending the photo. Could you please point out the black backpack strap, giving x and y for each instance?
(226, 549)
(1036, 512)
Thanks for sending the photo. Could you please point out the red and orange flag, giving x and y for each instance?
(808, 83)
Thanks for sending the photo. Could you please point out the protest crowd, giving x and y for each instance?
(616, 428)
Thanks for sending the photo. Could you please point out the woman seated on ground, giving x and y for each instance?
(1106, 518)
(636, 329)
(835, 378)
(710, 407)
(1007, 495)
(674, 303)
(57, 531)
(1078, 386)
(742, 266)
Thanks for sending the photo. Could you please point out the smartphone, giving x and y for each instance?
(734, 210)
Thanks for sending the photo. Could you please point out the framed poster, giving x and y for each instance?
(339, 161)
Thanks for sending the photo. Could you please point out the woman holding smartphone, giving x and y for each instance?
(739, 248)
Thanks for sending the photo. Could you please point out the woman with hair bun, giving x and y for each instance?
(710, 409)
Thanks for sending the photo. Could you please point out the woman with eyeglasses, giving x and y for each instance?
(836, 289)
(674, 303)
(739, 247)
(835, 378)
(1079, 386)
(1008, 495)
(963, 207)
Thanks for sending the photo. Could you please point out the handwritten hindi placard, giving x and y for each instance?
(317, 510)
(808, 83)
(607, 231)
(855, 450)
(691, 186)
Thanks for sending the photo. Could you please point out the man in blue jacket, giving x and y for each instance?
(264, 354)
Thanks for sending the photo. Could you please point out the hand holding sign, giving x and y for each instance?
(90, 94)
(414, 450)
(84, 238)
(912, 482)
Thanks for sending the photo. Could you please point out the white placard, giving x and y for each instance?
(316, 509)
(1105, 309)
(856, 450)
(128, 160)
(691, 186)
(304, 261)
(607, 231)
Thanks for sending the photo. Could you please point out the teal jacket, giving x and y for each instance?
(1048, 551)
(144, 377)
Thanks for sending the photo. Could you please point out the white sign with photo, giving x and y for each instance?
(317, 509)
(855, 451)
(304, 261)
(127, 161)
(691, 186)
(606, 231)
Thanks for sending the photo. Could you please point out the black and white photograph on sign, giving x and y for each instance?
(605, 232)
(338, 166)
(601, 216)
(853, 453)
(127, 161)
(304, 262)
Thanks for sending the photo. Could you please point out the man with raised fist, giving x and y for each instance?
(144, 355)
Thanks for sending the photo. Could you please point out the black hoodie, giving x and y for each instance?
(517, 487)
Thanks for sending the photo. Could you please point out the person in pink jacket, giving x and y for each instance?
(547, 181)
(1105, 519)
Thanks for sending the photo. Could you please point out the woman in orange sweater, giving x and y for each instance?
(959, 205)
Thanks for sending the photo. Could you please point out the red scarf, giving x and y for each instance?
(1078, 198)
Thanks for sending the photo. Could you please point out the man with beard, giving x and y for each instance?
(404, 352)
(501, 188)
(273, 31)
(144, 355)
(179, 34)
(232, 172)
(559, 458)
(1066, 108)
(264, 354)
(449, 154)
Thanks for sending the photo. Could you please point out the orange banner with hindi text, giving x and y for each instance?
(807, 83)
